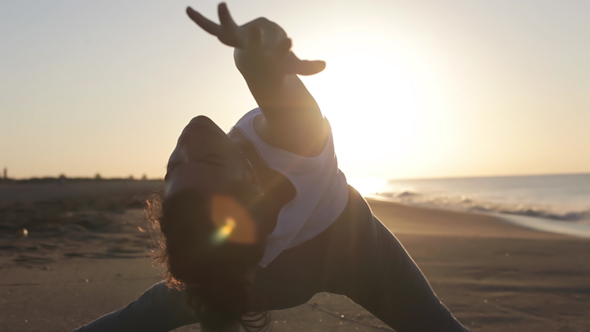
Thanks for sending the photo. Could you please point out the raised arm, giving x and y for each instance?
(291, 118)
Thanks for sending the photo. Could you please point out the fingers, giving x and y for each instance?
(293, 65)
(306, 67)
(303, 67)
(229, 27)
(228, 33)
(227, 22)
(284, 47)
(205, 24)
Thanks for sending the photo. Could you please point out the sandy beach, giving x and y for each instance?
(72, 252)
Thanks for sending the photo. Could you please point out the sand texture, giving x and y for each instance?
(86, 250)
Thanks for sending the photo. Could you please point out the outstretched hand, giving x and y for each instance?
(262, 48)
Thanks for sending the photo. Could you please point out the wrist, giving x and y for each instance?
(285, 95)
(257, 69)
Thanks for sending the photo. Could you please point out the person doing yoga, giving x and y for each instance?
(262, 219)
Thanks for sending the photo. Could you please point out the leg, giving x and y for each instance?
(385, 280)
(357, 257)
(159, 309)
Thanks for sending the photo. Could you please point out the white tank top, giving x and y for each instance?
(321, 190)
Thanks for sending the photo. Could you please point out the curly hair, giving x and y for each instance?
(209, 243)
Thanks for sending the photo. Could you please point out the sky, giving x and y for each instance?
(412, 89)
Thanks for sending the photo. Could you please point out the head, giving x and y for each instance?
(209, 217)
(205, 160)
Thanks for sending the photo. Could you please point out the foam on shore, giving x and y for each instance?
(544, 225)
(579, 228)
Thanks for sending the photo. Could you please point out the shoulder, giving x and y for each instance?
(308, 140)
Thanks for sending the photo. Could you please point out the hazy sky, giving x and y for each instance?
(412, 88)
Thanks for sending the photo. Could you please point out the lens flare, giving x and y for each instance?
(224, 231)
(232, 221)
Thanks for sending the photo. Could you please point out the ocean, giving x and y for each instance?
(554, 203)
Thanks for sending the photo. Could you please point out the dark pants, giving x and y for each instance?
(356, 256)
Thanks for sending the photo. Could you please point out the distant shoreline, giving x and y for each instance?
(48, 190)
(41, 180)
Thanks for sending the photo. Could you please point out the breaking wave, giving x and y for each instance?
(472, 204)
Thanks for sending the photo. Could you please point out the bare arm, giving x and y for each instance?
(291, 118)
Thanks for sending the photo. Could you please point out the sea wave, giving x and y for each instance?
(472, 204)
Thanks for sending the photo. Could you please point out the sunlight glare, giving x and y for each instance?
(367, 186)
(373, 100)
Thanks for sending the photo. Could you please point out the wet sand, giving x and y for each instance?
(85, 253)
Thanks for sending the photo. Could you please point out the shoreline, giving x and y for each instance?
(574, 229)
(421, 220)
(53, 190)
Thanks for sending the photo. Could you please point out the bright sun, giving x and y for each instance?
(371, 103)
